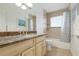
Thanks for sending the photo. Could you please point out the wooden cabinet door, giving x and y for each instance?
(16, 48)
(44, 48)
(39, 49)
(29, 52)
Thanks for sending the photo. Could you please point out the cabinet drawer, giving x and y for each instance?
(16, 48)
(38, 39)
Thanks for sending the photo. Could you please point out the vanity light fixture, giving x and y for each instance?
(24, 5)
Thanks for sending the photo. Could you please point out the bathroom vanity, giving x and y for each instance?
(13, 23)
(26, 45)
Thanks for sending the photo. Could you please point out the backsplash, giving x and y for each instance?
(2, 34)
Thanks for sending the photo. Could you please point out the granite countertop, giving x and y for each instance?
(11, 39)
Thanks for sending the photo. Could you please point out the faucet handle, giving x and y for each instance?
(26, 32)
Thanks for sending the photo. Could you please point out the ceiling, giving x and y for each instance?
(49, 7)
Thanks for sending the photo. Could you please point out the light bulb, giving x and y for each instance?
(18, 4)
(23, 7)
(29, 4)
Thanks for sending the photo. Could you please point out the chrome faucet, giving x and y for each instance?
(20, 33)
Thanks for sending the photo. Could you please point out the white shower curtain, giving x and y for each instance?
(66, 27)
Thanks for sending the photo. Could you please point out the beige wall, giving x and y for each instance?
(54, 32)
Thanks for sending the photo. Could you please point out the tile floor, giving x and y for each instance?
(58, 52)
